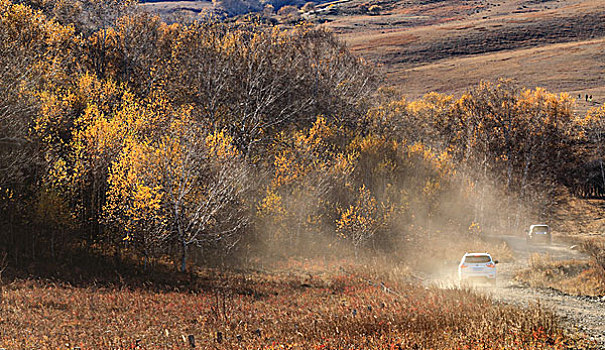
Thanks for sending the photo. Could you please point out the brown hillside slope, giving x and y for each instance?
(448, 45)
(554, 44)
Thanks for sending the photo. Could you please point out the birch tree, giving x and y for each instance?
(188, 189)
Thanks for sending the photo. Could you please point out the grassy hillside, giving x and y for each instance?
(453, 44)
(449, 45)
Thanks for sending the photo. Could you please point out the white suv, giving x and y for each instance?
(477, 266)
(539, 233)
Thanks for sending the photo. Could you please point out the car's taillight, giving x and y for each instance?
(491, 265)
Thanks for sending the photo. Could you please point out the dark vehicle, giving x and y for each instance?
(539, 233)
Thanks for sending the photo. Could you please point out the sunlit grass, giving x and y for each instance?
(301, 305)
(574, 277)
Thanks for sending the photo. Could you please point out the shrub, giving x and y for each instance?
(596, 250)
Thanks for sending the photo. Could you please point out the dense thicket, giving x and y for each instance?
(194, 141)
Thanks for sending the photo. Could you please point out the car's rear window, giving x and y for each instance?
(476, 259)
(541, 229)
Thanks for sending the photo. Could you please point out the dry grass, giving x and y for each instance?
(596, 249)
(171, 8)
(580, 218)
(449, 45)
(574, 277)
(303, 306)
(555, 45)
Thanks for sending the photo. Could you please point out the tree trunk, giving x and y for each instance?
(184, 256)
(602, 176)
(52, 245)
(528, 160)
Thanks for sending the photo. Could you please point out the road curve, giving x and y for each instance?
(586, 314)
(577, 313)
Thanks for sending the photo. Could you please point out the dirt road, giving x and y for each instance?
(585, 314)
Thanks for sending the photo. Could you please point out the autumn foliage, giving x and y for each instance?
(187, 145)
(193, 141)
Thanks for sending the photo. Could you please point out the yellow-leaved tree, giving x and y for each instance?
(309, 173)
(187, 189)
(363, 219)
(34, 51)
(593, 131)
(84, 129)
